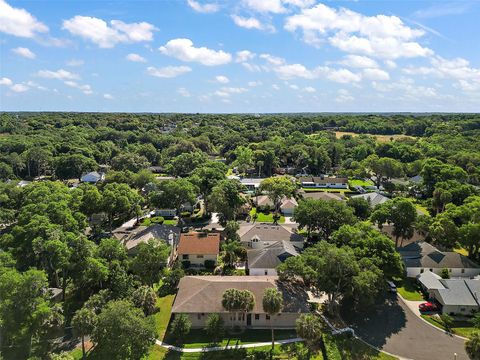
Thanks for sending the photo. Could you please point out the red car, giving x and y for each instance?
(427, 306)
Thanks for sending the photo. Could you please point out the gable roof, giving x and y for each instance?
(430, 280)
(93, 176)
(439, 260)
(263, 200)
(416, 249)
(196, 243)
(268, 232)
(168, 233)
(288, 203)
(271, 256)
(457, 292)
(203, 294)
(373, 198)
(322, 195)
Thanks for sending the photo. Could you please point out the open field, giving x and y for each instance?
(380, 138)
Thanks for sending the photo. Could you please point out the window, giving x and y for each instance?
(184, 257)
(267, 317)
(449, 270)
(431, 270)
(199, 256)
(257, 316)
(462, 309)
(463, 271)
(421, 271)
(266, 272)
(199, 316)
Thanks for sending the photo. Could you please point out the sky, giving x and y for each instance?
(245, 56)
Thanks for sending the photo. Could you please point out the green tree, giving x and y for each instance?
(150, 259)
(361, 207)
(382, 168)
(123, 332)
(231, 231)
(272, 303)
(206, 177)
(226, 199)
(215, 327)
(243, 159)
(238, 301)
(447, 321)
(180, 327)
(472, 346)
(399, 212)
(73, 166)
(309, 328)
(83, 323)
(445, 274)
(145, 298)
(120, 201)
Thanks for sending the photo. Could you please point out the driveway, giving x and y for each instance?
(394, 328)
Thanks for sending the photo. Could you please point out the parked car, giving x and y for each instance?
(392, 287)
(427, 307)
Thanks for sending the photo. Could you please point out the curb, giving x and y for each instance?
(426, 322)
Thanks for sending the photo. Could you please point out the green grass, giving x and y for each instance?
(462, 328)
(170, 222)
(162, 317)
(360, 182)
(409, 290)
(266, 218)
(341, 348)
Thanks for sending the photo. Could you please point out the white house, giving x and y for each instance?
(324, 182)
(93, 177)
(420, 256)
(200, 296)
(265, 261)
(458, 296)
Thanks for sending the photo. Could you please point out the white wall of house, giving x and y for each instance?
(262, 272)
(198, 260)
(166, 212)
(459, 309)
(257, 321)
(325, 186)
(456, 272)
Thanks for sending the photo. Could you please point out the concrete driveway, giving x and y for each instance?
(394, 328)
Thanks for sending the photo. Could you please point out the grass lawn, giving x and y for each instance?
(462, 328)
(360, 182)
(266, 218)
(409, 290)
(162, 317)
(170, 222)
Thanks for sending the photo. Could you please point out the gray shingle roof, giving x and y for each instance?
(268, 232)
(440, 260)
(271, 256)
(373, 198)
(456, 292)
(430, 280)
(203, 294)
(132, 237)
(322, 195)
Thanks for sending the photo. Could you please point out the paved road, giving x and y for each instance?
(395, 329)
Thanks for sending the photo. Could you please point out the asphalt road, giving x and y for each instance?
(395, 329)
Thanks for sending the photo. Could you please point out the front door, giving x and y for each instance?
(249, 319)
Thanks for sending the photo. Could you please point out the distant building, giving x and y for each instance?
(373, 198)
(93, 177)
(323, 182)
(132, 237)
(322, 195)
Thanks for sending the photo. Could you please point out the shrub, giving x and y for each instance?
(209, 264)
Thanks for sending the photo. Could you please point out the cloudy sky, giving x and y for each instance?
(240, 56)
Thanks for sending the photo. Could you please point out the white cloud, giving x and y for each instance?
(108, 96)
(222, 79)
(107, 36)
(254, 83)
(293, 87)
(375, 74)
(135, 58)
(183, 92)
(6, 81)
(244, 55)
(391, 64)
(227, 91)
(344, 96)
(251, 67)
(309, 89)
(19, 22)
(294, 71)
(184, 50)
(357, 61)
(251, 23)
(265, 6)
(59, 74)
(299, 3)
(75, 62)
(86, 89)
(380, 36)
(18, 88)
(168, 71)
(275, 87)
(203, 8)
(273, 60)
(343, 76)
(24, 52)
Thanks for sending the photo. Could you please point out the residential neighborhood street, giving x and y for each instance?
(396, 329)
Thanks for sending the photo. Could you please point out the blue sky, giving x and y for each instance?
(240, 56)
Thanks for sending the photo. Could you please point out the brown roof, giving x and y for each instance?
(203, 294)
(196, 243)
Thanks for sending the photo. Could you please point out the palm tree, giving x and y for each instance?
(272, 305)
(83, 323)
(235, 300)
(230, 251)
(309, 328)
(472, 346)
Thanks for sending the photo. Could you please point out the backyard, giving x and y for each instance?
(264, 217)
(409, 289)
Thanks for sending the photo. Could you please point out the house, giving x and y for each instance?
(197, 249)
(258, 236)
(429, 282)
(265, 261)
(200, 296)
(166, 213)
(458, 296)
(373, 198)
(132, 237)
(324, 182)
(322, 195)
(93, 177)
(287, 205)
(252, 184)
(156, 169)
(421, 256)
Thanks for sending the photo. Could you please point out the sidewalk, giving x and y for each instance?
(222, 348)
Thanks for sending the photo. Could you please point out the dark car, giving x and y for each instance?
(427, 307)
